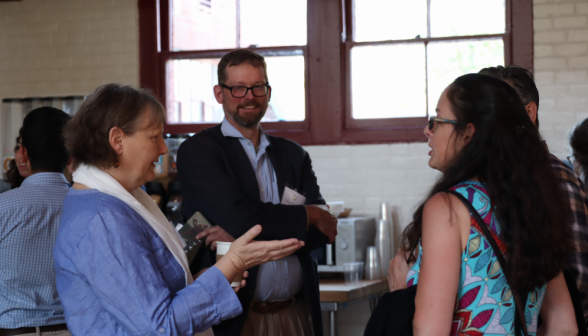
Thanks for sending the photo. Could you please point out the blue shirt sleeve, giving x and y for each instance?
(126, 271)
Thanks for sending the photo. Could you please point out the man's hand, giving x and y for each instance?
(398, 270)
(323, 220)
(214, 234)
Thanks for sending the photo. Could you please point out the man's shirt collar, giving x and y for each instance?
(44, 179)
(229, 130)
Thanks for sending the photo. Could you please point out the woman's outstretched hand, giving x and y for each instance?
(246, 253)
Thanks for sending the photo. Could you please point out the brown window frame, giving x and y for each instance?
(328, 105)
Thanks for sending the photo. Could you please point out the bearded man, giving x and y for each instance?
(238, 176)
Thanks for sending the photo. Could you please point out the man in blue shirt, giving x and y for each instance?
(29, 219)
(238, 176)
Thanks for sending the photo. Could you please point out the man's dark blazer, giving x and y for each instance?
(217, 179)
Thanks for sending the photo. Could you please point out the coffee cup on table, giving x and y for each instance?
(222, 248)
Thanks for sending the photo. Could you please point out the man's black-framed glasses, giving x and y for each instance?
(433, 120)
(241, 91)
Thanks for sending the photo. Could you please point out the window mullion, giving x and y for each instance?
(428, 18)
(352, 20)
(427, 78)
(238, 23)
(427, 57)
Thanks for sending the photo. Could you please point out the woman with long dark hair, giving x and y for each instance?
(490, 153)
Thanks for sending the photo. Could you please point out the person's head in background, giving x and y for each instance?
(41, 144)
(579, 144)
(243, 88)
(24, 167)
(18, 170)
(118, 129)
(523, 81)
(12, 175)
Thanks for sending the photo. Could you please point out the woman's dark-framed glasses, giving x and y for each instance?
(241, 91)
(432, 121)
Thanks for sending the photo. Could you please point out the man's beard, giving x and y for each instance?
(249, 121)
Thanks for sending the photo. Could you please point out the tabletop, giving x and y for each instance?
(336, 290)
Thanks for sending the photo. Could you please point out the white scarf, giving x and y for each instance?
(138, 200)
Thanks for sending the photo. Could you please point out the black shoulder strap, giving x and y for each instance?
(488, 235)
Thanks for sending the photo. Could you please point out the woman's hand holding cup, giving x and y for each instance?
(242, 283)
(245, 253)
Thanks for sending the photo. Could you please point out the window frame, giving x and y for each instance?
(327, 72)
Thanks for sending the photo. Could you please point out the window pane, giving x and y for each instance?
(286, 76)
(467, 17)
(388, 81)
(208, 24)
(204, 24)
(269, 23)
(449, 60)
(190, 96)
(390, 19)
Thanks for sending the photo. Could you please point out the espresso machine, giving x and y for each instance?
(354, 235)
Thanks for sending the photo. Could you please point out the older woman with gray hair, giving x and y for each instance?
(120, 267)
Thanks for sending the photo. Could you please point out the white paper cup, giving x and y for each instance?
(336, 208)
(221, 249)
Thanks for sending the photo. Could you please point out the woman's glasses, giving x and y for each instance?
(432, 121)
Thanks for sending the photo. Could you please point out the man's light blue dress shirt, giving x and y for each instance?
(280, 279)
(115, 276)
(29, 219)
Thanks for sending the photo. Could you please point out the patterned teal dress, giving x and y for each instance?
(484, 304)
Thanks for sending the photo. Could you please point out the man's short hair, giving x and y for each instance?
(238, 57)
(521, 79)
(111, 105)
(41, 137)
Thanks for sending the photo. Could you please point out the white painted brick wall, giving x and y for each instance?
(365, 175)
(561, 67)
(67, 47)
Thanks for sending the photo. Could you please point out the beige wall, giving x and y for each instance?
(67, 47)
